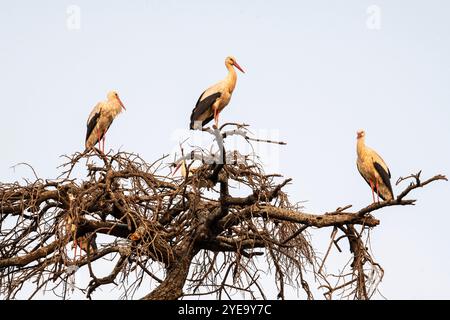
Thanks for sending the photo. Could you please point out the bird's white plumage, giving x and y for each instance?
(104, 113)
(224, 88)
(367, 159)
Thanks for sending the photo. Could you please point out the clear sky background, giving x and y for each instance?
(316, 73)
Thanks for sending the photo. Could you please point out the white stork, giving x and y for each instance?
(184, 169)
(83, 243)
(373, 169)
(101, 118)
(212, 101)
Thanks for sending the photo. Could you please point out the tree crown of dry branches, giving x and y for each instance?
(179, 236)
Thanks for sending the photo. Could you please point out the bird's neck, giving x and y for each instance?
(231, 78)
(360, 144)
(116, 106)
(183, 169)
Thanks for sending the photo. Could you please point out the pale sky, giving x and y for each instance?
(316, 72)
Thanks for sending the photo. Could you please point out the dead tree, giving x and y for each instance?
(181, 236)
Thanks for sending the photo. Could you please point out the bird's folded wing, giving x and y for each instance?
(385, 175)
(381, 162)
(203, 106)
(92, 122)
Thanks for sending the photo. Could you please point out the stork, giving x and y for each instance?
(194, 175)
(212, 101)
(184, 169)
(373, 169)
(83, 243)
(101, 118)
(88, 240)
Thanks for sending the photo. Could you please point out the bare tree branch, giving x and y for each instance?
(180, 236)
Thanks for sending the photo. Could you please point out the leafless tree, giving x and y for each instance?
(180, 236)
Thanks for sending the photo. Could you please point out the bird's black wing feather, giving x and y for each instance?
(201, 107)
(385, 176)
(91, 125)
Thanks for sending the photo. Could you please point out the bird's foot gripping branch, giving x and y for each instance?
(178, 235)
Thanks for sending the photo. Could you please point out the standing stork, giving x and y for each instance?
(88, 241)
(212, 101)
(101, 118)
(185, 173)
(85, 243)
(373, 169)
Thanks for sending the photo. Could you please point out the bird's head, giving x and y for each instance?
(360, 134)
(113, 95)
(230, 60)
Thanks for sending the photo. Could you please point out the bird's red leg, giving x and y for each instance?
(101, 143)
(371, 187)
(104, 138)
(99, 140)
(216, 118)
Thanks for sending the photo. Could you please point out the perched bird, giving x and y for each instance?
(373, 169)
(185, 173)
(197, 177)
(212, 101)
(101, 118)
(184, 169)
(83, 243)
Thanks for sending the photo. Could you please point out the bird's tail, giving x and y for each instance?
(196, 125)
